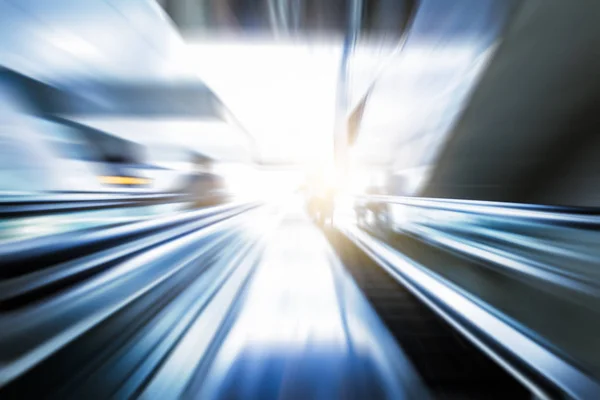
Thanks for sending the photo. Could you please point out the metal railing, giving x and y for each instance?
(556, 245)
(544, 249)
(54, 289)
(24, 206)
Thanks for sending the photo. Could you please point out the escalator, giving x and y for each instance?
(450, 366)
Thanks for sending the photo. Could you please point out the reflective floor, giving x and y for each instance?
(296, 336)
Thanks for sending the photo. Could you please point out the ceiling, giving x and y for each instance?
(283, 93)
(91, 46)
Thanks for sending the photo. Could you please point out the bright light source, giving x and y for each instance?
(282, 93)
(248, 181)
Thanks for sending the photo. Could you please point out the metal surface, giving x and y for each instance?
(22, 206)
(449, 364)
(503, 341)
(170, 314)
(577, 216)
(50, 308)
(28, 255)
(546, 243)
(535, 266)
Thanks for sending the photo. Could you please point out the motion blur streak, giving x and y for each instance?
(299, 199)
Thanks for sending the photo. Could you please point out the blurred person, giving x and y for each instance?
(320, 199)
(205, 187)
(326, 206)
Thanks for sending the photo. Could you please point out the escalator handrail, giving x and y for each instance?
(586, 216)
(21, 257)
(25, 206)
(535, 365)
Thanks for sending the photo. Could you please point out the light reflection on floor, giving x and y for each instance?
(290, 324)
(291, 303)
(296, 338)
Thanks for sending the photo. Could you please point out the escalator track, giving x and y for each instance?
(450, 366)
